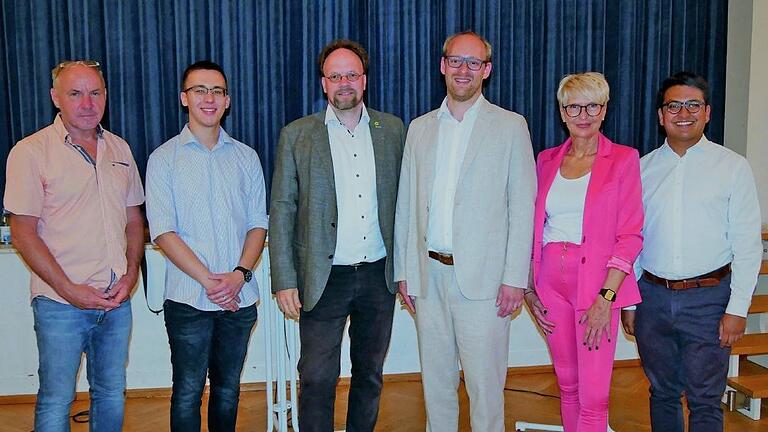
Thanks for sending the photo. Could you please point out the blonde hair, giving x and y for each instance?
(488, 47)
(589, 85)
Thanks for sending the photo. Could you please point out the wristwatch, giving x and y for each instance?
(247, 274)
(608, 294)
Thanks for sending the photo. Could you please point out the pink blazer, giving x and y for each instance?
(612, 224)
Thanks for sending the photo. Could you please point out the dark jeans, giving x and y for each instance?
(212, 343)
(361, 294)
(677, 337)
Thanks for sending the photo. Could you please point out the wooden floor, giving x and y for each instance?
(402, 408)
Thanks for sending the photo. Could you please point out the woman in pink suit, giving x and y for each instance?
(587, 224)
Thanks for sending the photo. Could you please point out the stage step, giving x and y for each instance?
(754, 386)
(751, 344)
(759, 304)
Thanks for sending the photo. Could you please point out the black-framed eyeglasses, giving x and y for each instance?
(693, 106)
(473, 63)
(202, 91)
(69, 63)
(336, 77)
(574, 110)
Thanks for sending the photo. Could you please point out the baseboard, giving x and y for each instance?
(165, 392)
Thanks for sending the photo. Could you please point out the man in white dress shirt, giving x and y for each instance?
(700, 260)
(332, 215)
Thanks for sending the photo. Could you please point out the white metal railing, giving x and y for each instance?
(281, 352)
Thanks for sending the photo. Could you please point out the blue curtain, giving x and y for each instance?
(269, 51)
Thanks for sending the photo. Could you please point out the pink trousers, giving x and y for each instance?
(583, 375)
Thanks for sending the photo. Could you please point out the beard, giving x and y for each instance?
(462, 93)
(344, 104)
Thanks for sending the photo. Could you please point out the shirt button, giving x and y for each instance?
(363, 216)
(357, 175)
(583, 260)
(359, 195)
(333, 224)
(363, 237)
(355, 155)
(330, 256)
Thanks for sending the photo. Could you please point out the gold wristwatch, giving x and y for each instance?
(608, 294)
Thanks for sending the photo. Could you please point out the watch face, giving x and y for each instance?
(248, 275)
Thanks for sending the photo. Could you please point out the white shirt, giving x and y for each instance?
(358, 235)
(701, 212)
(210, 199)
(565, 209)
(452, 143)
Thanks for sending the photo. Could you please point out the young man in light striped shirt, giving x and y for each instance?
(206, 207)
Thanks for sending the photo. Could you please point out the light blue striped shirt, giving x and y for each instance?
(210, 199)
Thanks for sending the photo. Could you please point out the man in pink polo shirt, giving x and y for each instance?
(74, 193)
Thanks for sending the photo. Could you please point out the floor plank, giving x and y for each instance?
(530, 397)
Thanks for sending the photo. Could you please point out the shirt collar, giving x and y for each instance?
(444, 112)
(186, 137)
(330, 117)
(61, 130)
(701, 147)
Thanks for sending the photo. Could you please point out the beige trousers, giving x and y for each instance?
(451, 330)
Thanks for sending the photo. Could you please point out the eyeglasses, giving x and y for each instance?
(574, 110)
(202, 91)
(350, 76)
(69, 63)
(472, 63)
(693, 106)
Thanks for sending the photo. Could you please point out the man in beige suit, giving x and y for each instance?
(463, 231)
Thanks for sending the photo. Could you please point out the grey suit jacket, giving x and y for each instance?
(493, 205)
(303, 211)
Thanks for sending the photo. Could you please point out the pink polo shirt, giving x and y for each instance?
(81, 207)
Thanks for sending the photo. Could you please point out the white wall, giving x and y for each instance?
(149, 364)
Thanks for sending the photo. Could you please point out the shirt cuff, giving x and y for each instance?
(738, 307)
(619, 264)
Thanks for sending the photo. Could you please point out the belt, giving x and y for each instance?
(446, 259)
(706, 280)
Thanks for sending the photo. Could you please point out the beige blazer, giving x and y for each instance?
(493, 208)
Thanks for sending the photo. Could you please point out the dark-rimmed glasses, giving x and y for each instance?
(336, 77)
(693, 106)
(202, 91)
(574, 110)
(472, 63)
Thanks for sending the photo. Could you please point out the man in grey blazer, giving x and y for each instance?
(332, 220)
(463, 237)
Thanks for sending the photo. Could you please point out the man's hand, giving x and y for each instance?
(539, 312)
(405, 299)
(509, 299)
(226, 290)
(288, 301)
(731, 329)
(628, 321)
(87, 297)
(123, 288)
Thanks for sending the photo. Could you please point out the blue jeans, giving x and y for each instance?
(212, 343)
(360, 294)
(64, 333)
(677, 338)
